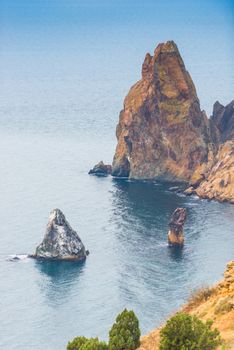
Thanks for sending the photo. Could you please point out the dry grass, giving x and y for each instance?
(199, 296)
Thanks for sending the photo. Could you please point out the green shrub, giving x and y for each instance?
(94, 344)
(125, 332)
(186, 332)
(82, 343)
(76, 343)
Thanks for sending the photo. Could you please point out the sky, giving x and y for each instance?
(110, 38)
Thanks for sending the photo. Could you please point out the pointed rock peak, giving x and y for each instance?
(169, 46)
(57, 217)
(146, 67)
(217, 107)
(60, 242)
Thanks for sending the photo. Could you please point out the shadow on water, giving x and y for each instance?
(59, 277)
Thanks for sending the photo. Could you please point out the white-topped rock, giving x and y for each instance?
(60, 242)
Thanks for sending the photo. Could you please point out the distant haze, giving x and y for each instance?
(60, 40)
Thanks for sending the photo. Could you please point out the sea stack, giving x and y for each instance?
(176, 225)
(60, 242)
(162, 133)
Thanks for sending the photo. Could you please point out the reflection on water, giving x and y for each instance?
(60, 271)
(58, 278)
(176, 253)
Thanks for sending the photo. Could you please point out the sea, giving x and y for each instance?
(60, 99)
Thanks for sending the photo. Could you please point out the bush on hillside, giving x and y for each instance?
(125, 332)
(186, 332)
(82, 343)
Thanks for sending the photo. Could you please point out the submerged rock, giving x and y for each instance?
(101, 169)
(60, 242)
(176, 225)
(162, 132)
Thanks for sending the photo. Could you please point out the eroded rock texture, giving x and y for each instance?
(60, 242)
(176, 227)
(162, 132)
(217, 179)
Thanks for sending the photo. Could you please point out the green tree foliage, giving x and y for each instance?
(186, 332)
(125, 332)
(82, 343)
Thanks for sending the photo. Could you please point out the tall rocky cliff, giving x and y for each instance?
(162, 132)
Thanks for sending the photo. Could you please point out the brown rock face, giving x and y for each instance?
(217, 179)
(162, 132)
(223, 118)
(176, 225)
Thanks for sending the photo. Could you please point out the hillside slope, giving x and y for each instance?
(216, 303)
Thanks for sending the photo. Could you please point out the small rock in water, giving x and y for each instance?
(176, 225)
(101, 169)
(17, 257)
(60, 242)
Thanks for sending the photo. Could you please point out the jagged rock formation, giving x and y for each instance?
(216, 179)
(162, 132)
(60, 242)
(101, 169)
(176, 225)
(223, 119)
(215, 303)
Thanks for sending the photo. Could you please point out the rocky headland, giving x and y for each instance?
(176, 227)
(60, 242)
(215, 303)
(164, 135)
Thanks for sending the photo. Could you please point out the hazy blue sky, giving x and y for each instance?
(110, 38)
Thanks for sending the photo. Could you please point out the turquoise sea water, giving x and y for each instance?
(65, 70)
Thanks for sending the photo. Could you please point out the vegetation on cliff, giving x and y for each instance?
(83, 343)
(124, 335)
(186, 332)
(125, 332)
(214, 303)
